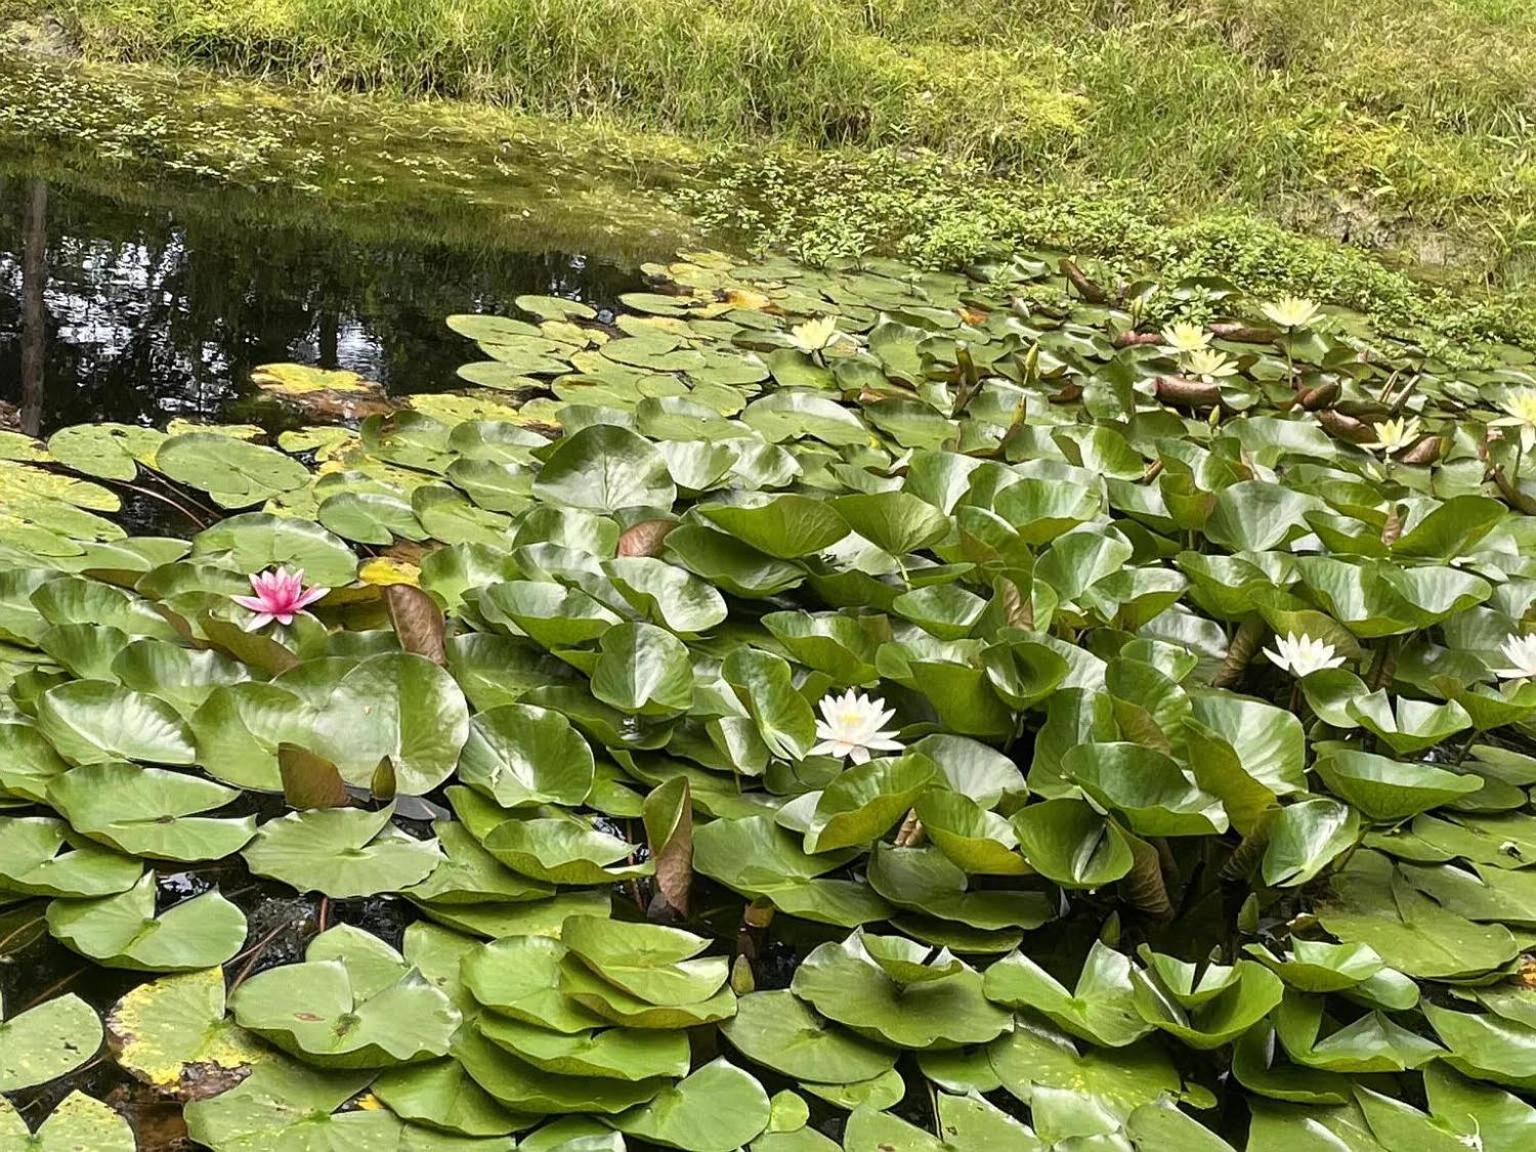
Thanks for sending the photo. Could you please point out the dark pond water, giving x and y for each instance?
(112, 308)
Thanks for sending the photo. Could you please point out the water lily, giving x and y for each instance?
(280, 595)
(1186, 337)
(1520, 404)
(1292, 312)
(850, 727)
(815, 335)
(1520, 651)
(1394, 435)
(1302, 655)
(1210, 365)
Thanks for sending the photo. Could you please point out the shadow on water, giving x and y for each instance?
(112, 309)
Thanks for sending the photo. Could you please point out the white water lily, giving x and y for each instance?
(1210, 365)
(1302, 655)
(1186, 337)
(1292, 312)
(850, 727)
(815, 335)
(1395, 435)
(1520, 651)
(1520, 404)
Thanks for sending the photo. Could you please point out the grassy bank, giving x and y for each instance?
(1402, 125)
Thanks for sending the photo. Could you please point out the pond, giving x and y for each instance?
(159, 239)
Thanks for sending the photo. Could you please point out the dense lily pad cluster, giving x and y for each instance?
(858, 707)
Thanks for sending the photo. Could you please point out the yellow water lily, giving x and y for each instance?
(1291, 312)
(1186, 337)
(1394, 435)
(1210, 365)
(815, 335)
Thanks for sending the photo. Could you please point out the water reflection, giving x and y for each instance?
(113, 310)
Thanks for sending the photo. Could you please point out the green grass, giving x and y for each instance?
(1403, 125)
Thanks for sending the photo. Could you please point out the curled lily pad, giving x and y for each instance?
(612, 1003)
(846, 983)
(1218, 1020)
(124, 931)
(522, 1087)
(1102, 1008)
(610, 1054)
(651, 962)
(1066, 841)
(341, 852)
(1386, 789)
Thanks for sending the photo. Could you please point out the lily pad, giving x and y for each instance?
(124, 931)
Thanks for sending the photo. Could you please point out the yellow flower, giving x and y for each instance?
(1186, 337)
(1210, 365)
(815, 335)
(1291, 312)
(1395, 435)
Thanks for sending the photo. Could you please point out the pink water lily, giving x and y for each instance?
(280, 595)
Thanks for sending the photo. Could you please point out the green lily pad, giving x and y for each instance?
(562, 851)
(123, 931)
(441, 1095)
(31, 862)
(1391, 790)
(521, 755)
(605, 468)
(46, 1042)
(610, 1054)
(234, 473)
(1102, 1008)
(845, 982)
(522, 1087)
(779, 1031)
(341, 852)
(657, 964)
(78, 1121)
(519, 977)
(150, 812)
(396, 705)
(1373, 904)
(93, 721)
(760, 860)
(717, 1109)
(361, 1006)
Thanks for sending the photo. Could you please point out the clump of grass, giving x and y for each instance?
(941, 212)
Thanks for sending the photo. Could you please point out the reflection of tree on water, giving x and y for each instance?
(142, 314)
(34, 276)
